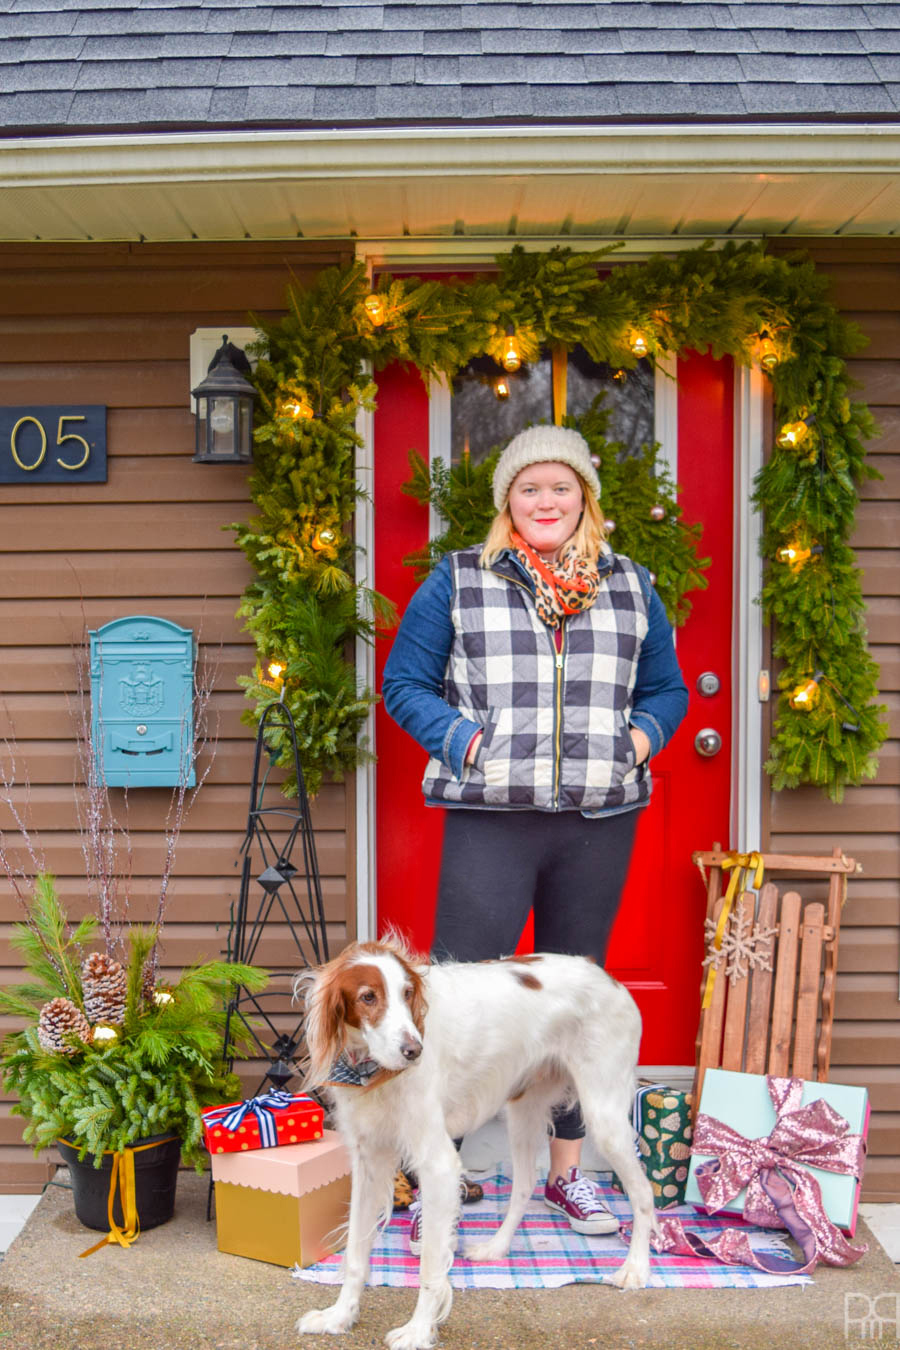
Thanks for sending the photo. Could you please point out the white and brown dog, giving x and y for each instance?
(429, 1053)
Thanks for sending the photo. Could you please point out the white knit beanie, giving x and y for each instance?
(540, 445)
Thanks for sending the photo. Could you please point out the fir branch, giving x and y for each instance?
(141, 942)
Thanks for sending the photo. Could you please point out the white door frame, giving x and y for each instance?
(749, 680)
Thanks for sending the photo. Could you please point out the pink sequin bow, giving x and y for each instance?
(781, 1192)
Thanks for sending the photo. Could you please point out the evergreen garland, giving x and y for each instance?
(305, 608)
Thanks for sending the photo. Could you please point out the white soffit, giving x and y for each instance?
(435, 182)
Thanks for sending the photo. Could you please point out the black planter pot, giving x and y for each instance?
(155, 1175)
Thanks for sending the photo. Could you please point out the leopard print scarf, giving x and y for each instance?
(567, 586)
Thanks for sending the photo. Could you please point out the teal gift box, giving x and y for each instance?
(742, 1101)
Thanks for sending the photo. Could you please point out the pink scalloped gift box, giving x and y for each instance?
(286, 1205)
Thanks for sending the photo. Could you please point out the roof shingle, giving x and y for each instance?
(188, 62)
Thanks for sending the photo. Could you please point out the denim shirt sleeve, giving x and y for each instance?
(413, 685)
(660, 696)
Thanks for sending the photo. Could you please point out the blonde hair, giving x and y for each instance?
(587, 537)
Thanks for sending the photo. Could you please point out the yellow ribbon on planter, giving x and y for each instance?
(741, 865)
(122, 1181)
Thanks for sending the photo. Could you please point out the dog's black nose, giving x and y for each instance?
(411, 1051)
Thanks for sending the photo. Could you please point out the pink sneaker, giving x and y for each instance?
(577, 1198)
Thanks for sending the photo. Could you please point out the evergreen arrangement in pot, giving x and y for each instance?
(110, 1060)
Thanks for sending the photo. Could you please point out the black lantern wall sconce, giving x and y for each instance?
(223, 406)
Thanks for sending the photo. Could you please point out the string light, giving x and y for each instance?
(768, 352)
(104, 1034)
(795, 555)
(324, 538)
(375, 309)
(639, 344)
(501, 388)
(806, 695)
(273, 679)
(512, 356)
(298, 408)
(793, 434)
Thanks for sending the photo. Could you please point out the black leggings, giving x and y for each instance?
(497, 866)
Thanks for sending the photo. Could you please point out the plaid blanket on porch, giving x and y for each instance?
(546, 1253)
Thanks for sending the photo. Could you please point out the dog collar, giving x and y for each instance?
(346, 1074)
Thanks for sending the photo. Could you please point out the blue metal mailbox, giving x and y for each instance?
(142, 702)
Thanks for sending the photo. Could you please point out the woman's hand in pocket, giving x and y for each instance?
(641, 742)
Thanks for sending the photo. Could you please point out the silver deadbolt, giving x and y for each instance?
(707, 742)
(708, 684)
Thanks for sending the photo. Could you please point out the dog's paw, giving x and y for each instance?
(631, 1275)
(492, 1250)
(327, 1321)
(413, 1336)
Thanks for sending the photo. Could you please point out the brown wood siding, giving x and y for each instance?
(110, 324)
(865, 276)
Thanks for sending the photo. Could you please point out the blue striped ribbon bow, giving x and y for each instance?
(262, 1109)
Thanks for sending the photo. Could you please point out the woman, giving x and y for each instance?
(539, 672)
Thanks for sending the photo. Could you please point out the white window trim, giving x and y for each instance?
(364, 778)
(747, 627)
(750, 681)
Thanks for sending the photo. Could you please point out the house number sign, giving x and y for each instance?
(65, 444)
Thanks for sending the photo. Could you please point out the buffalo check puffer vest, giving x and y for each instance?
(555, 723)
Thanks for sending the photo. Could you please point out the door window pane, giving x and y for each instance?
(479, 420)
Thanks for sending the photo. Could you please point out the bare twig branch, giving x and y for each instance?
(101, 834)
(17, 877)
(12, 776)
(183, 797)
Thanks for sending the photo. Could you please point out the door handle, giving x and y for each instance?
(707, 742)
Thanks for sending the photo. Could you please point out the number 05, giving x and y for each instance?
(62, 436)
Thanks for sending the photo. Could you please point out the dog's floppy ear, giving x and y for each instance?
(325, 1026)
(418, 1007)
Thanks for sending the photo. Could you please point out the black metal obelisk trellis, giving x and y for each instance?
(280, 901)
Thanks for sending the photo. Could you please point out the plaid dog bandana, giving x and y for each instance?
(346, 1074)
(568, 586)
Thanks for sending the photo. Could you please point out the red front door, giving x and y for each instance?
(657, 943)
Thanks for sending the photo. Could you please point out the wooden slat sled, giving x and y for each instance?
(776, 1021)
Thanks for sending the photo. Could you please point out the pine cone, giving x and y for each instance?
(57, 1022)
(105, 986)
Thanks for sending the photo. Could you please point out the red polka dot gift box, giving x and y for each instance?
(262, 1122)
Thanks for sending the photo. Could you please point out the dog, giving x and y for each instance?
(416, 1056)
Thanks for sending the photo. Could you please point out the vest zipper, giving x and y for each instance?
(557, 730)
